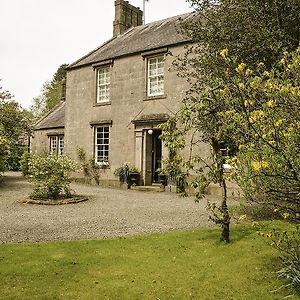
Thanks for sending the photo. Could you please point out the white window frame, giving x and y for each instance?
(158, 76)
(53, 143)
(102, 146)
(61, 144)
(103, 84)
(57, 144)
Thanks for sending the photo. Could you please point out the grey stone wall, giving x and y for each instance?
(40, 142)
(128, 102)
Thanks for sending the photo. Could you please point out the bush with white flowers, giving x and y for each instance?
(51, 176)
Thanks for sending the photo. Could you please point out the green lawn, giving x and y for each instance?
(176, 265)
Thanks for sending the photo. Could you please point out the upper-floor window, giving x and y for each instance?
(102, 145)
(57, 144)
(103, 84)
(156, 76)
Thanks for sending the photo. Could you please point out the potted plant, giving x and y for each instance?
(162, 177)
(122, 172)
(128, 174)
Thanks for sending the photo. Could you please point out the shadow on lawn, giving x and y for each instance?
(237, 234)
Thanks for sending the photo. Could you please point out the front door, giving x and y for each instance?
(156, 154)
(153, 155)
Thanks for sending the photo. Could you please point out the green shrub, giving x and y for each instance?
(291, 269)
(4, 152)
(51, 175)
(91, 169)
(13, 160)
(288, 244)
(24, 162)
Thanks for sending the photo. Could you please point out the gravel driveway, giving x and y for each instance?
(107, 213)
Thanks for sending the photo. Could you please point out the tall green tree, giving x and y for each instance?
(15, 124)
(253, 32)
(51, 93)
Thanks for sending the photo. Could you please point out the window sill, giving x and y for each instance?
(157, 97)
(102, 103)
(103, 165)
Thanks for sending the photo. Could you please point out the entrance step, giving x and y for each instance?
(147, 188)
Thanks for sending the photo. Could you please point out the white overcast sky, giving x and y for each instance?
(37, 36)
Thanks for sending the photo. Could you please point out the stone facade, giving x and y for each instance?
(128, 113)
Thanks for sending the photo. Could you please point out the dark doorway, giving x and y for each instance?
(156, 153)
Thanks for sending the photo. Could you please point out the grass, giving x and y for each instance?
(176, 265)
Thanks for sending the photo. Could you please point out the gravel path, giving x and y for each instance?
(107, 213)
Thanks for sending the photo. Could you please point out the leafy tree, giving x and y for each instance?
(4, 152)
(51, 93)
(253, 31)
(262, 112)
(14, 129)
(197, 123)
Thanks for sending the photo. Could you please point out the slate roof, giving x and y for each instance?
(138, 39)
(54, 119)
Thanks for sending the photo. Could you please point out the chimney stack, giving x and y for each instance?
(126, 16)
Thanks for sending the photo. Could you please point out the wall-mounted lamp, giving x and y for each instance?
(150, 131)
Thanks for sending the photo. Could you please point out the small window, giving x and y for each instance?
(57, 144)
(102, 145)
(103, 85)
(156, 76)
(61, 145)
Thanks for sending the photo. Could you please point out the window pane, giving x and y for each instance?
(102, 144)
(103, 84)
(156, 76)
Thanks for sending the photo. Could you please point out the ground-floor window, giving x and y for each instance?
(57, 144)
(102, 144)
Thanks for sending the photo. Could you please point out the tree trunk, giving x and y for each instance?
(226, 217)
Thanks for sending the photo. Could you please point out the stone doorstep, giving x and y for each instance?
(147, 188)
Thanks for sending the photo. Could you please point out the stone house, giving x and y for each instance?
(118, 94)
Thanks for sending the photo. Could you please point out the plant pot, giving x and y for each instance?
(133, 179)
(163, 179)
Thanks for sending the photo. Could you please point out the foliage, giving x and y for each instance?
(51, 175)
(173, 138)
(4, 152)
(291, 270)
(261, 111)
(13, 161)
(193, 126)
(51, 93)
(254, 31)
(196, 123)
(15, 126)
(180, 265)
(124, 170)
(24, 162)
(288, 244)
(91, 169)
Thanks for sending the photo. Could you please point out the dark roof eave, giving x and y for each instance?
(188, 41)
(48, 128)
